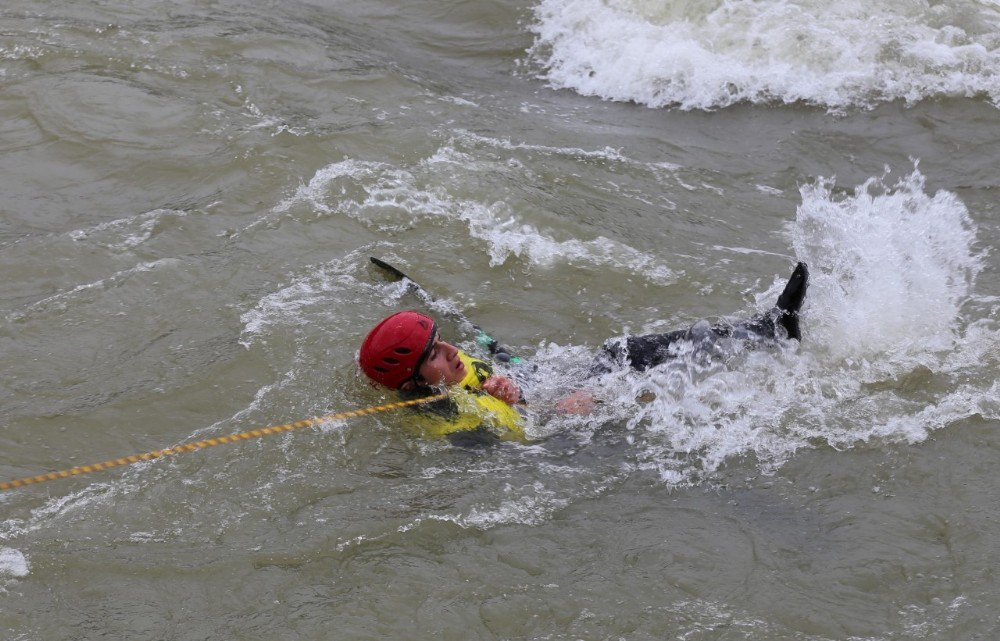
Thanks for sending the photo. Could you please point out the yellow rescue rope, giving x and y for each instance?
(209, 442)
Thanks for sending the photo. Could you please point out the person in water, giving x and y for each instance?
(405, 352)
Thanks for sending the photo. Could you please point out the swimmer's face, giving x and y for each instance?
(442, 366)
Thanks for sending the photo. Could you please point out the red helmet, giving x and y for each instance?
(393, 352)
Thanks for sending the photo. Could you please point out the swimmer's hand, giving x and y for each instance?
(502, 388)
(580, 403)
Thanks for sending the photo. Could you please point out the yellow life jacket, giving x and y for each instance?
(469, 409)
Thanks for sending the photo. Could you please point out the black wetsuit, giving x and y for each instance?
(643, 352)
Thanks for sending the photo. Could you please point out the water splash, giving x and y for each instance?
(892, 266)
(887, 353)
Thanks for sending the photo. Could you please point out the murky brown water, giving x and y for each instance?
(189, 193)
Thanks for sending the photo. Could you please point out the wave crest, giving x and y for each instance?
(711, 54)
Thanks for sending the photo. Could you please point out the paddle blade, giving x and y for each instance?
(390, 269)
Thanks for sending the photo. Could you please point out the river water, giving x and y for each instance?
(189, 194)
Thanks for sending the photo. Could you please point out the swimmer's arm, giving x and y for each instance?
(580, 402)
(503, 388)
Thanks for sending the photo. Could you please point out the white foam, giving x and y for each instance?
(706, 54)
(66, 507)
(965, 402)
(530, 505)
(305, 300)
(13, 563)
(891, 267)
(390, 198)
(58, 302)
(128, 232)
(288, 303)
(455, 100)
(771, 191)
(21, 52)
(608, 153)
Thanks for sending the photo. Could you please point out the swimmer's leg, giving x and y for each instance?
(791, 300)
(785, 313)
(638, 352)
(643, 352)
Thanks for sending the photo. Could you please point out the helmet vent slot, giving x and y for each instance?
(402, 350)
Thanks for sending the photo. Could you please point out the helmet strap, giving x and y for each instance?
(424, 355)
